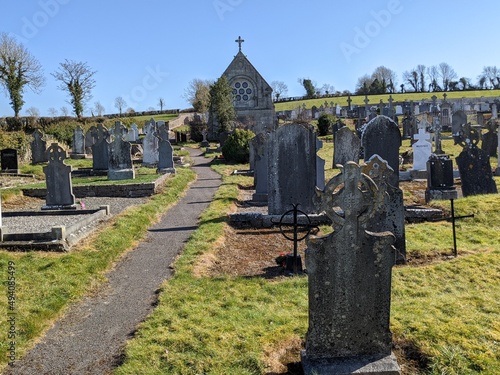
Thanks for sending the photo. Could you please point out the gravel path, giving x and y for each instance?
(91, 336)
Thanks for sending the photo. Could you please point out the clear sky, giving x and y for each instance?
(144, 50)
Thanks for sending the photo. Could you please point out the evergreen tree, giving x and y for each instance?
(221, 104)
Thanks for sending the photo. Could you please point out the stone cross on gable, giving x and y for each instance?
(239, 41)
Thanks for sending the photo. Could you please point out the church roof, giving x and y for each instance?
(242, 66)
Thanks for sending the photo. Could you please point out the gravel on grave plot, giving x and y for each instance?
(41, 224)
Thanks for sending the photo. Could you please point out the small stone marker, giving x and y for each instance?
(349, 283)
(38, 148)
(9, 160)
(346, 147)
(58, 180)
(120, 158)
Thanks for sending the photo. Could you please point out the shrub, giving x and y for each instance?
(325, 121)
(237, 148)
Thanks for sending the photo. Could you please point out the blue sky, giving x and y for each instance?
(144, 50)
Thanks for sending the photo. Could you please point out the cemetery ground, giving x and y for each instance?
(229, 310)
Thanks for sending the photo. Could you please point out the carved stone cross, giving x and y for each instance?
(239, 41)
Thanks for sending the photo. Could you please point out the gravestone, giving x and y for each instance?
(149, 126)
(58, 180)
(150, 147)
(440, 184)
(89, 139)
(133, 133)
(292, 168)
(100, 149)
(346, 147)
(78, 150)
(204, 142)
(490, 140)
(458, 119)
(38, 148)
(381, 136)
(422, 150)
(9, 160)
(120, 158)
(320, 167)
(165, 152)
(494, 111)
(474, 165)
(392, 217)
(259, 144)
(349, 284)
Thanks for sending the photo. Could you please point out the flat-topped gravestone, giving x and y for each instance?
(133, 133)
(9, 160)
(100, 149)
(58, 179)
(150, 148)
(292, 168)
(165, 152)
(349, 284)
(120, 165)
(346, 147)
(89, 139)
(381, 136)
(38, 148)
(422, 150)
(78, 150)
(259, 150)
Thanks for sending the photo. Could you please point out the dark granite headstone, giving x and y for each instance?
(58, 180)
(475, 172)
(259, 146)
(458, 119)
(349, 281)
(9, 160)
(100, 149)
(381, 136)
(346, 147)
(89, 139)
(165, 151)
(490, 143)
(78, 151)
(292, 168)
(120, 159)
(38, 148)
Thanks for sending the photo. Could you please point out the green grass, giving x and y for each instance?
(47, 282)
(375, 99)
(446, 310)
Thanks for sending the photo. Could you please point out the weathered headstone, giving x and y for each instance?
(381, 136)
(458, 119)
(422, 150)
(259, 146)
(490, 140)
(204, 142)
(38, 148)
(346, 147)
(150, 147)
(165, 152)
(133, 133)
(89, 139)
(349, 283)
(58, 180)
(9, 160)
(120, 158)
(100, 149)
(320, 166)
(78, 150)
(474, 165)
(292, 168)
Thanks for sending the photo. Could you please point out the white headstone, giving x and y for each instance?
(399, 110)
(422, 150)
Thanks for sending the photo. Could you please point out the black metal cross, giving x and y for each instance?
(239, 41)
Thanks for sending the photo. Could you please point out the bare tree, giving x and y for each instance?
(327, 89)
(33, 112)
(120, 103)
(384, 74)
(18, 69)
(78, 79)
(279, 89)
(64, 111)
(53, 111)
(198, 94)
(433, 75)
(99, 108)
(161, 104)
(363, 85)
(421, 69)
(412, 78)
(447, 75)
(491, 75)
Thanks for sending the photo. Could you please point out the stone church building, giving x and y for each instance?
(252, 96)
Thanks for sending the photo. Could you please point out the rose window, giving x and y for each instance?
(242, 91)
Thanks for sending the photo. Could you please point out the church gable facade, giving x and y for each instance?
(252, 95)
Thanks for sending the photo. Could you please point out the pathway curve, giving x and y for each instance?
(90, 338)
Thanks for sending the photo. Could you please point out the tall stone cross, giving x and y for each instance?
(349, 100)
(436, 126)
(239, 41)
(391, 108)
(444, 97)
(366, 102)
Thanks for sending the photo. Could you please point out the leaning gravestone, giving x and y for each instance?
(392, 217)
(292, 168)
(9, 160)
(78, 151)
(349, 283)
(165, 152)
(58, 180)
(38, 148)
(346, 147)
(120, 159)
(100, 149)
(259, 150)
(381, 136)
(474, 165)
